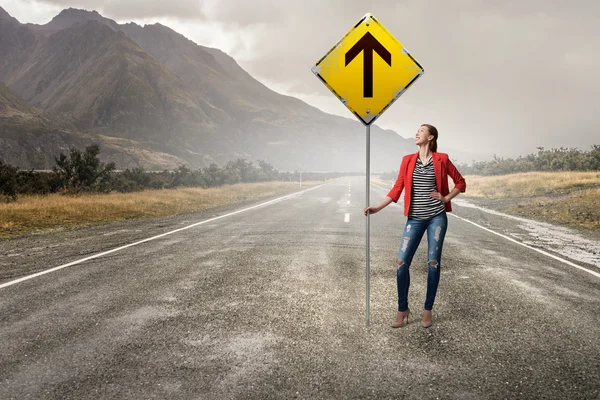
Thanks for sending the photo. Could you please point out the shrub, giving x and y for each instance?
(83, 172)
(8, 181)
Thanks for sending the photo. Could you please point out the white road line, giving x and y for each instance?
(596, 274)
(25, 278)
(347, 217)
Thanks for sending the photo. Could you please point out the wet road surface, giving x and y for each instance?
(270, 303)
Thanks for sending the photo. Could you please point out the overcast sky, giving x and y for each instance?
(500, 76)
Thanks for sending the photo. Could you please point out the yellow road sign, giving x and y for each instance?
(368, 69)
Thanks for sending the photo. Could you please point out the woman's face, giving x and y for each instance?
(422, 136)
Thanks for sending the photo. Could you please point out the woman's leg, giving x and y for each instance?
(436, 232)
(411, 237)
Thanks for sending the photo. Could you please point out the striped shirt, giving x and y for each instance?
(422, 206)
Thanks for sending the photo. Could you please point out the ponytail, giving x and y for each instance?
(432, 131)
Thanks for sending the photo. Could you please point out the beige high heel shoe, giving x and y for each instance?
(427, 319)
(404, 317)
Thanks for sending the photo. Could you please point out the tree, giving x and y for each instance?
(8, 181)
(594, 158)
(83, 172)
(268, 171)
(213, 175)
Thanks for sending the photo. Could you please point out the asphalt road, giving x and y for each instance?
(270, 303)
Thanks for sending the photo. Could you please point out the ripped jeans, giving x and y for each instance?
(413, 232)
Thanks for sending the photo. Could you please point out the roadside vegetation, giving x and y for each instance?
(553, 160)
(36, 214)
(580, 208)
(81, 172)
(558, 186)
(528, 184)
(80, 190)
(567, 198)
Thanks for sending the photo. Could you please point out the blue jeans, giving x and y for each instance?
(413, 232)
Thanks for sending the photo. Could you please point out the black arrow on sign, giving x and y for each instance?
(368, 44)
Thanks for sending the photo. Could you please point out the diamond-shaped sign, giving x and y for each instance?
(368, 69)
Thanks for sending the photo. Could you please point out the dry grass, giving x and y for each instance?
(46, 213)
(579, 209)
(523, 184)
(529, 184)
(568, 198)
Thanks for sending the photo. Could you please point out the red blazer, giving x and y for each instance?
(443, 168)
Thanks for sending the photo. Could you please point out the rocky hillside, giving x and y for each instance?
(30, 140)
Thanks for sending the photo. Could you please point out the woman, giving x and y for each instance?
(424, 175)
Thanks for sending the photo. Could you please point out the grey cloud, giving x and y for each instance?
(88, 4)
(137, 9)
(247, 13)
(184, 9)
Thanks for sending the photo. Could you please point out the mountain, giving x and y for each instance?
(30, 140)
(154, 87)
(102, 82)
(24, 132)
(16, 41)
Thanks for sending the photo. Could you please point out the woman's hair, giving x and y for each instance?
(432, 131)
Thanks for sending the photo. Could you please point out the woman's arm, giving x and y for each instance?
(457, 178)
(396, 191)
(375, 209)
(460, 185)
(393, 194)
(451, 195)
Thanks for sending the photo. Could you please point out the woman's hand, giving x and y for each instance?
(371, 210)
(438, 196)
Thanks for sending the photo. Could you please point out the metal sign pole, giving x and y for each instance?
(368, 217)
